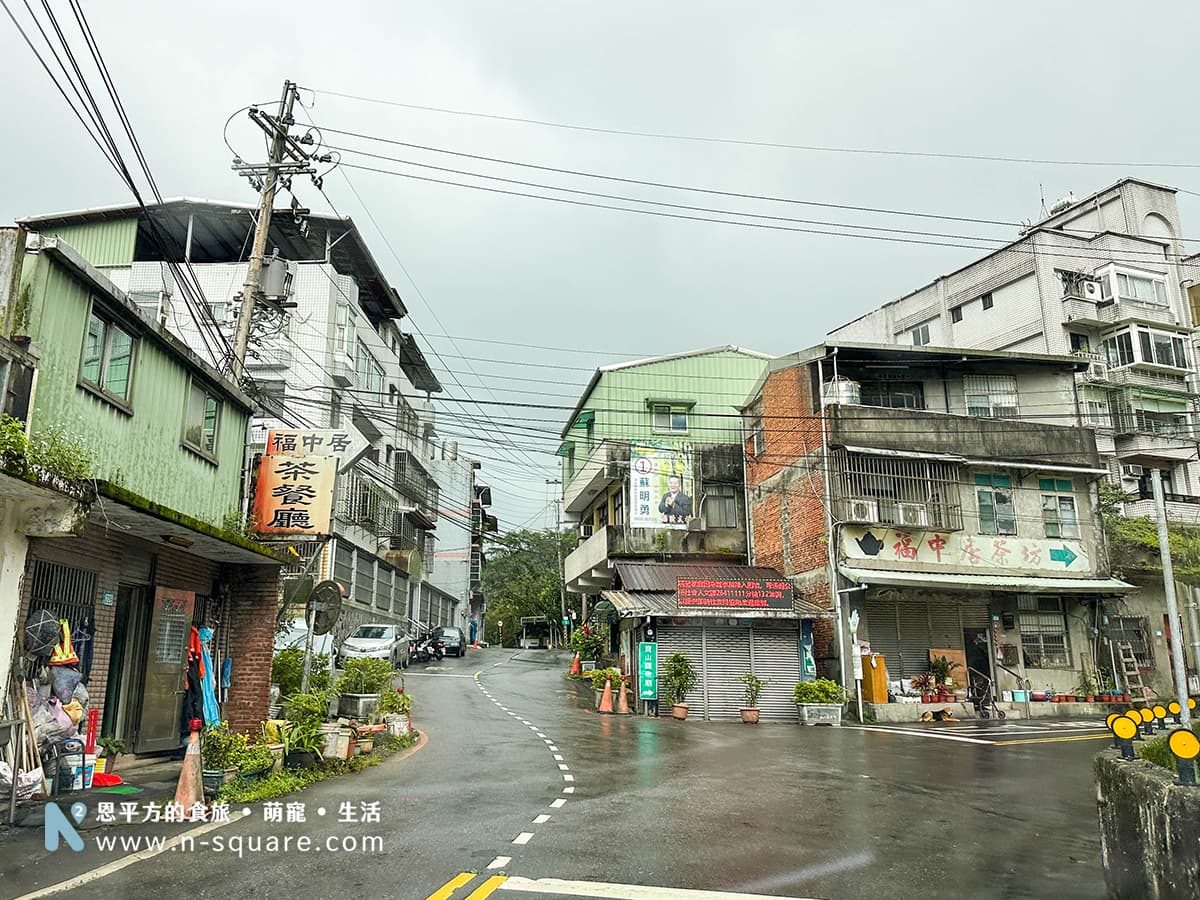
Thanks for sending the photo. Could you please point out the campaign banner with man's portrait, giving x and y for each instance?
(661, 489)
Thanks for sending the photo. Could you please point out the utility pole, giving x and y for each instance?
(562, 585)
(287, 157)
(1164, 550)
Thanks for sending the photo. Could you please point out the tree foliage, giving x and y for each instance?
(1133, 542)
(522, 578)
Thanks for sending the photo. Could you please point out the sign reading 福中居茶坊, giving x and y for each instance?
(933, 550)
(647, 671)
(742, 593)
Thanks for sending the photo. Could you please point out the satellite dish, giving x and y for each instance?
(324, 606)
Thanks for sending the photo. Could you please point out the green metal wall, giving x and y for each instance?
(142, 452)
(103, 244)
(717, 382)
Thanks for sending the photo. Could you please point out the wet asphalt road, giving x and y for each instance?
(777, 810)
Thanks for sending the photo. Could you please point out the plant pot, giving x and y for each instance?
(599, 694)
(1089, 699)
(213, 779)
(300, 759)
(929, 698)
(357, 706)
(231, 774)
(820, 713)
(277, 752)
(679, 711)
(365, 746)
(750, 715)
(1127, 698)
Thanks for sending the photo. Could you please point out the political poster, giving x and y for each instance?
(661, 487)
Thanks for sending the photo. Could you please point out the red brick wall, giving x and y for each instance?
(254, 601)
(791, 429)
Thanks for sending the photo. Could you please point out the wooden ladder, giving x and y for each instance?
(1130, 671)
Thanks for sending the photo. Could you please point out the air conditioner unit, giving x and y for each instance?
(862, 510)
(585, 531)
(1090, 290)
(912, 514)
(1082, 289)
(697, 523)
(1132, 471)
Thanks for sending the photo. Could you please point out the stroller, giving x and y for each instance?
(982, 695)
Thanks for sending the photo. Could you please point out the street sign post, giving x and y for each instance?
(647, 671)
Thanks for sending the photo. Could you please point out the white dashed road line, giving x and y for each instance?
(523, 838)
(499, 862)
(558, 804)
(541, 820)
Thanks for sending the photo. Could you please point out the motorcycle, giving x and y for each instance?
(428, 649)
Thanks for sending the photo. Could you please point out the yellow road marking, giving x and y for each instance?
(486, 889)
(447, 889)
(1053, 740)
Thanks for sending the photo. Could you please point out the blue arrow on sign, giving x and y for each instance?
(1064, 556)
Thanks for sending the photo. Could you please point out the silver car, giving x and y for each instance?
(376, 640)
(296, 636)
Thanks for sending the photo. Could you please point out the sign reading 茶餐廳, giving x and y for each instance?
(741, 593)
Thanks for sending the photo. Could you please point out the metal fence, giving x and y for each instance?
(892, 490)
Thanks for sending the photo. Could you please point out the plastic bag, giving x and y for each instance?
(81, 694)
(63, 681)
(74, 711)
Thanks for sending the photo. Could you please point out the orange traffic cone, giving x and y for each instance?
(575, 666)
(622, 701)
(190, 790)
(606, 697)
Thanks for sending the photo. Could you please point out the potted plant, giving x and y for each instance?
(599, 678)
(589, 642)
(754, 689)
(819, 702)
(396, 708)
(302, 743)
(1086, 689)
(923, 684)
(362, 681)
(220, 752)
(110, 749)
(253, 761)
(680, 680)
(940, 668)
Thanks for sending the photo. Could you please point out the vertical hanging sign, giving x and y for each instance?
(294, 495)
(647, 671)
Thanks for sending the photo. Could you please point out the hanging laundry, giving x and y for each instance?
(85, 646)
(193, 700)
(212, 713)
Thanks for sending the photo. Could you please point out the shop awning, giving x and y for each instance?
(630, 604)
(634, 604)
(1016, 584)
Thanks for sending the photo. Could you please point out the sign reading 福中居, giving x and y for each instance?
(933, 550)
(647, 671)
(661, 491)
(345, 444)
(294, 495)
(741, 593)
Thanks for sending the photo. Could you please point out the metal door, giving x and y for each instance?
(686, 639)
(726, 657)
(775, 651)
(883, 634)
(166, 663)
(913, 616)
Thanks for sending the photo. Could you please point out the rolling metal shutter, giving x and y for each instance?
(775, 652)
(945, 629)
(913, 617)
(686, 639)
(882, 633)
(726, 657)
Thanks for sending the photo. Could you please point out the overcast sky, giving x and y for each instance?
(1101, 81)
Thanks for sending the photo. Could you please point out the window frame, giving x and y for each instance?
(671, 411)
(987, 301)
(920, 335)
(722, 497)
(988, 485)
(956, 314)
(1036, 605)
(991, 390)
(209, 454)
(99, 387)
(1058, 495)
(346, 328)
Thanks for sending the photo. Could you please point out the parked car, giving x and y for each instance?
(296, 635)
(454, 638)
(377, 640)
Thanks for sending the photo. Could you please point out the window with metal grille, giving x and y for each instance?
(1043, 630)
(894, 394)
(915, 493)
(364, 584)
(343, 566)
(720, 506)
(993, 396)
(1134, 630)
(68, 593)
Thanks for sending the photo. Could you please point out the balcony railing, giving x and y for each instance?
(1145, 493)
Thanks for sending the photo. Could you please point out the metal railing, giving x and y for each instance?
(916, 493)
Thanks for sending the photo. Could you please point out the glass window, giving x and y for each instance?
(1058, 508)
(920, 335)
(107, 362)
(1044, 632)
(991, 395)
(996, 512)
(956, 314)
(1162, 348)
(1118, 349)
(670, 418)
(894, 394)
(346, 328)
(1093, 404)
(987, 301)
(1142, 289)
(720, 506)
(203, 412)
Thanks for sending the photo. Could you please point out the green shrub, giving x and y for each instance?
(679, 677)
(395, 703)
(589, 642)
(221, 748)
(1157, 752)
(287, 671)
(254, 758)
(307, 708)
(823, 690)
(754, 687)
(599, 677)
(365, 676)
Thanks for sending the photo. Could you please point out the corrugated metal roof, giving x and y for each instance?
(631, 604)
(641, 603)
(662, 576)
(1020, 584)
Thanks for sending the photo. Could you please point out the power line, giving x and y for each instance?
(779, 145)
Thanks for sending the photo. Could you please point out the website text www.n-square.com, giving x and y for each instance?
(242, 845)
